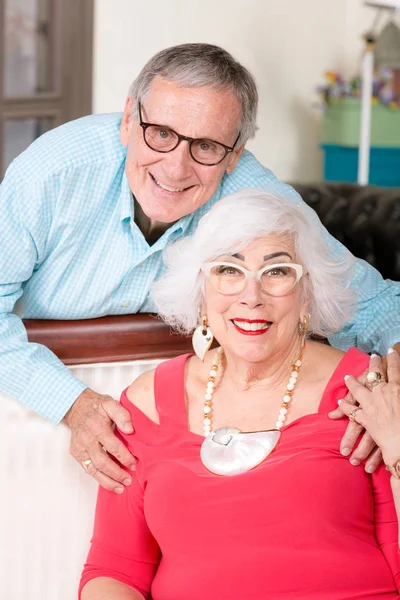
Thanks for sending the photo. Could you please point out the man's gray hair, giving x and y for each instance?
(195, 65)
(232, 224)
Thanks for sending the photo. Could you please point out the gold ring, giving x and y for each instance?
(374, 378)
(352, 414)
(86, 463)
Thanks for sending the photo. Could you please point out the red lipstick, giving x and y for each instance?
(250, 321)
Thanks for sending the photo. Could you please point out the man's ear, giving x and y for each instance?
(234, 159)
(127, 121)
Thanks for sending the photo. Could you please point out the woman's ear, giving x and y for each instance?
(305, 306)
(203, 308)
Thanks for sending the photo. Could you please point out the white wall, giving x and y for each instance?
(286, 44)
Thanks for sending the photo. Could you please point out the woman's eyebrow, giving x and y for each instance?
(275, 254)
(266, 257)
(238, 256)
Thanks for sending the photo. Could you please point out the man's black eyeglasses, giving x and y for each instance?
(164, 139)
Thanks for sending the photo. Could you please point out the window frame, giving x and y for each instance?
(73, 34)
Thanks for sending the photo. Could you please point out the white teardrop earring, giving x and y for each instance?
(202, 338)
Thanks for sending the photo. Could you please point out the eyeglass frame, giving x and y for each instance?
(144, 125)
(300, 271)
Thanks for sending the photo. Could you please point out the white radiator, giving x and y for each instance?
(47, 500)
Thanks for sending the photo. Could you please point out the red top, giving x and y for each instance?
(304, 524)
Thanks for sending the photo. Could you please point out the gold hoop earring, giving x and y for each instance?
(202, 339)
(303, 325)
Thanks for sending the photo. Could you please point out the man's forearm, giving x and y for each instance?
(105, 588)
(33, 374)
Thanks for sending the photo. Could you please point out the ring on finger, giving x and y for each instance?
(352, 414)
(86, 463)
(374, 378)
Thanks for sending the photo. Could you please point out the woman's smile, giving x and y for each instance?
(251, 326)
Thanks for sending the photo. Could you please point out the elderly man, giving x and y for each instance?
(87, 210)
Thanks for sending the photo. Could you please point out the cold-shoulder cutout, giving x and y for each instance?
(141, 394)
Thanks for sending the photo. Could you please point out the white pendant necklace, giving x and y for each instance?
(229, 451)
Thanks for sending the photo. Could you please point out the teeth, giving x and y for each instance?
(251, 326)
(165, 187)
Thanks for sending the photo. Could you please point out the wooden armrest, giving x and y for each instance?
(108, 339)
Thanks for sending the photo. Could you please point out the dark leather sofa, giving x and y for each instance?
(365, 219)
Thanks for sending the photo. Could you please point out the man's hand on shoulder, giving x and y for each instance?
(91, 419)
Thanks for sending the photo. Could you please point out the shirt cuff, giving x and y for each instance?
(52, 392)
(388, 340)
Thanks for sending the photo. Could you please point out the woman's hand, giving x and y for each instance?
(378, 409)
(366, 449)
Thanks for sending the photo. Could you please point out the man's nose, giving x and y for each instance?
(252, 296)
(179, 161)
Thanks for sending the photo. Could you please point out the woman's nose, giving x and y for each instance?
(252, 296)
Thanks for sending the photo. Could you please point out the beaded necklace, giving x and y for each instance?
(208, 397)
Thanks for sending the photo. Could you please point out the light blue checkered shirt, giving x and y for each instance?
(70, 249)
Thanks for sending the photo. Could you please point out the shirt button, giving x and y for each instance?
(126, 304)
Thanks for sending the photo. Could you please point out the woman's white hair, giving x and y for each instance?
(233, 223)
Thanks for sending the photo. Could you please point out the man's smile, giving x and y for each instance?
(168, 188)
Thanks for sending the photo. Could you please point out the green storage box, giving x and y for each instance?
(341, 124)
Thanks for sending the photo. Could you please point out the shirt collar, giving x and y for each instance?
(126, 199)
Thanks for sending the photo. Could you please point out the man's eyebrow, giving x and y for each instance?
(266, 257)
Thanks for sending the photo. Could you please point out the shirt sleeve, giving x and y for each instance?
(29, 372)
(122, 546)
(375, 326)
(386, 523)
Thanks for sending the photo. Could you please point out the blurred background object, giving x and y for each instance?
(45, 69)
(360, 130)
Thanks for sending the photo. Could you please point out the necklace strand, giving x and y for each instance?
(208, 396)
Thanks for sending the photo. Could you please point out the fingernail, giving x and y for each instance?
(127, 428)
(354, 462)
(133, 467)
(346, 377)
(391, 350)
(119, 490)
(127, 481)
(345, 451)
(370, 469)
(339, 402)
(374, 356)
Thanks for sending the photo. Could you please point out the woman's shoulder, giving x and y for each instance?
(323, 353)
(158, 387)
(141, 394)
(326, 359)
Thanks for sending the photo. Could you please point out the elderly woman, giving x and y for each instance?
(240, 490)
